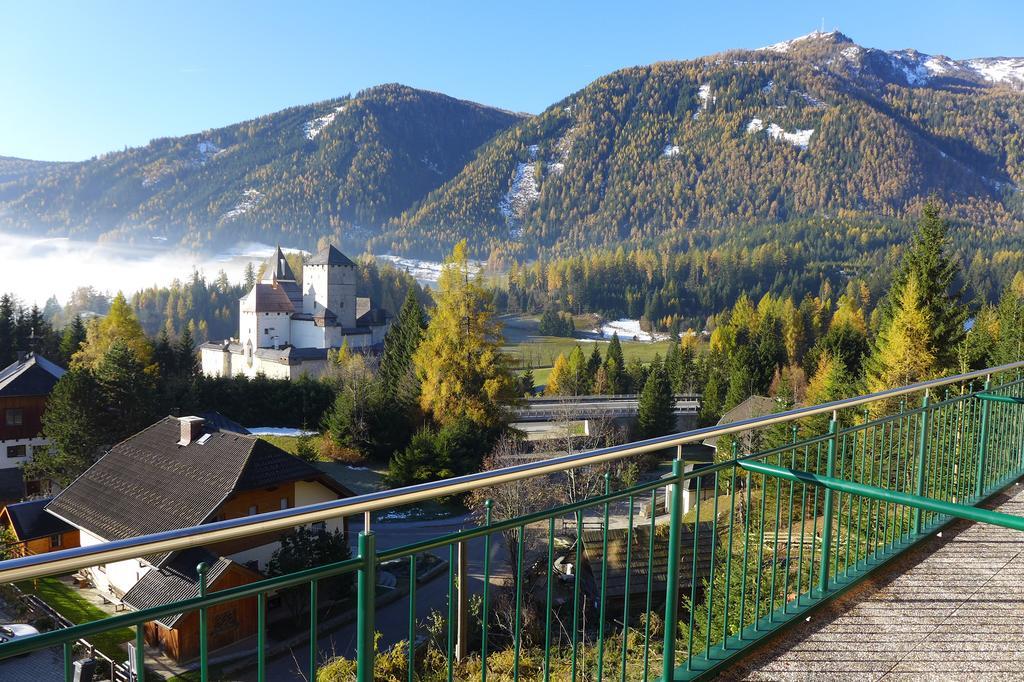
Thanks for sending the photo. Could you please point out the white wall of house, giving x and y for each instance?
(8, 461)
(117, 578)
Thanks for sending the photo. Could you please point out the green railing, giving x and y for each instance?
(670, 578)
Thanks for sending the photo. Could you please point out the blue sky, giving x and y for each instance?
(79, 79)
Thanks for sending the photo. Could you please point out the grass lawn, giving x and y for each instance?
(289, 444)
(528, 349)
(72, 606)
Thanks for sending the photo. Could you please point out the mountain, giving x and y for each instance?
(342, 167)
(14, 169)
(813, 126)
(670, 153)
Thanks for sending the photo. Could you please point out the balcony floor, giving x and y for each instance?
(953, 608)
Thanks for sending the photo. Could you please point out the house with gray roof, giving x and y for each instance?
(177, 473)
(25, 387)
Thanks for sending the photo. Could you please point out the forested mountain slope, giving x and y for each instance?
(814, 126)
(341, 167)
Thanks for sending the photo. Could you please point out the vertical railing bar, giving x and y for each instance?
(518, 631)
(576, 592)
(625, 599)
(366, 589)
(204, 670)
(693, 578)
(746, 571)
(452, 608)
(803, 531)
(922, 446)
(826, 531)
(140, 651)
(979, 482)
(760, 556)
(789, 531)
(604, 580)
(68, 655)
(313, 651)
(547, 617)
(814, 525)
(728, 551)
(650, 577)
(485, 603)
(668, 655)
(711, 574)
(411, 652)
(261, 637)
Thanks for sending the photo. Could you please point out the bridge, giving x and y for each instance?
(876, 536)
(556, 408)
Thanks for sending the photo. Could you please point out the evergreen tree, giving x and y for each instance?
(8, 319)
(460, 363)
(937, 276)
(186, 360)
(526, 383)
(128, 391)
(75, 423)
(579, 376)
(594, 363)
(397, 380)
(163, 354)
(72, 339)
(1009, 343)
(249, 277)
(614, 351)
(654, 411)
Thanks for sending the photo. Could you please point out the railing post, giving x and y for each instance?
(672, 578)
(204, 668)
(922, 447)
(826, 531)
(461, 601)
(366, 607)
(979, 482)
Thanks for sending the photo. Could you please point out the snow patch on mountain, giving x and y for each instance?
(1000, 69)
(523, 192)
(313, 128)
(787, 45)
(250, 199)
(424, 271)
(670, 150)
(798, 138)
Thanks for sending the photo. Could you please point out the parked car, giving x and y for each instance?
(13, 631)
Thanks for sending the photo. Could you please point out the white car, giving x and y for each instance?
(13, 631)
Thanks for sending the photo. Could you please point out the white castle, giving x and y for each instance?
(285, 331)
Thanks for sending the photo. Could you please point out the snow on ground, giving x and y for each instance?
(786, 45)
(278, 431)
(628, 330)
(424, 271)
(670, 150)
(797, 138)
(521, 194)
(250, 198)
(812, 100)
(768, 88)
(313, 128)
(1000, 70)
(207, 150)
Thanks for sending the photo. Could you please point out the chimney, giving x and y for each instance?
(191, 429)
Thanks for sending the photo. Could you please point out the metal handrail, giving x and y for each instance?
(68, 560)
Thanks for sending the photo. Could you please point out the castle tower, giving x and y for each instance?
(329, 288)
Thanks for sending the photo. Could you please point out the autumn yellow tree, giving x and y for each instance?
(903, 353)
(462, 369)
(119, 324)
